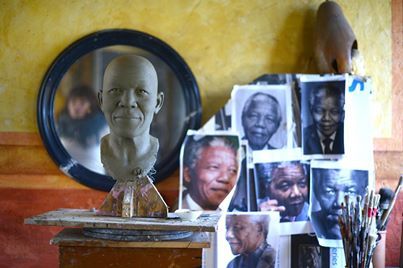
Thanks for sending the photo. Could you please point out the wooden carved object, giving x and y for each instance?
(336, 46)
(137, 197)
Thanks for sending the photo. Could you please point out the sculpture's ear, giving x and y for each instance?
(186, 175)
(100, 98)
(160, 101)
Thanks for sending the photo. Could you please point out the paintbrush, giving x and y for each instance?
(372, 244)
(357, 230)
(384, 203)
(385, 215)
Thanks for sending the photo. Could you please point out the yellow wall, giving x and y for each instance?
(224, 43)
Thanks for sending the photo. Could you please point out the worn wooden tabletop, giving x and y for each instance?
(207, 222)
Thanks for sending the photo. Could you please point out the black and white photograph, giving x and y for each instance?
(282, 184)
(322, 113)
(240, 200)
(307, 253)
(262, 114)
(247, 240)
(331, 181)
(209, 169)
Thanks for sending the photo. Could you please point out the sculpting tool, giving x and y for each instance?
(386, 215)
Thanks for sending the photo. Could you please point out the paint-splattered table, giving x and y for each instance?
(77, 249)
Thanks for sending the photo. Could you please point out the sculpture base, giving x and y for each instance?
(135, 235)
(134, 198)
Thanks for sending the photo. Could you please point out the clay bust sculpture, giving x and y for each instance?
(129, 100)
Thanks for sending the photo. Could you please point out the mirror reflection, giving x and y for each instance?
(80, 123)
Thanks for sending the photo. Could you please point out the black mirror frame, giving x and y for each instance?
(52, 78)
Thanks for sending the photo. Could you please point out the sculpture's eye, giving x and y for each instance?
(141, 91)
(114, 90)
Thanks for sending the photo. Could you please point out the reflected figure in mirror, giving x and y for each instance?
(81, 125)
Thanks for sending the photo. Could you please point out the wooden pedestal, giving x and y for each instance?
(77, 250)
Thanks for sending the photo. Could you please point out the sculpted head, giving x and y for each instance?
(130, 97)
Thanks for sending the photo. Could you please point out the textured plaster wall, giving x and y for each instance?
(224, 43)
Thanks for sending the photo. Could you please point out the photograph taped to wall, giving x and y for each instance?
(240, 200)
(322, 114)
(209, 169)
(307, 253)
(282, 184)
(262, 114)
(330, 182)
(287, 79)
(247, 239)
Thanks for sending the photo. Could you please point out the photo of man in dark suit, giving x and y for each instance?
(326, 107)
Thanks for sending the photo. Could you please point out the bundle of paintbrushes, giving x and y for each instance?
(360, 225)
(358, 229)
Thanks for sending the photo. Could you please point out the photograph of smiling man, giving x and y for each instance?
(323, 115)
(262, 115)
(209, 170)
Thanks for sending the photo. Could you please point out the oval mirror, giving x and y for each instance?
(69, 118)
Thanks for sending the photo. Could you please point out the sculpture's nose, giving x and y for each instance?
(128, 99)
